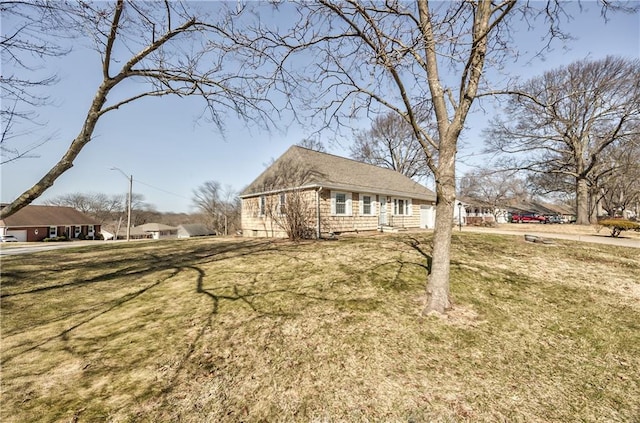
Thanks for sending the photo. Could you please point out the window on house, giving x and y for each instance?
(401, 207)
(341, 203)
(53, 231)
(283, 199)
(263, 204)
(77, 231)
(90, 230)
(366, 204)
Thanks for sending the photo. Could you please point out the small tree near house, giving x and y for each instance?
(290, 207)
(290, 213)
(294, 212)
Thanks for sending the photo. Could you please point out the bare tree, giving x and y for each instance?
(313, 144)
(391, 143)
(219, 206)
(101, 207)
(492, 187)
(106, 208)
(290, 207)
(564, 121)
(175, 49)
(398, 56)
(30, 31)
(619, 189)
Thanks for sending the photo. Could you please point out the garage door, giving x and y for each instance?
(427, 216)
(21, 235)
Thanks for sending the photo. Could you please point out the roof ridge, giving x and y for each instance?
(352, 160)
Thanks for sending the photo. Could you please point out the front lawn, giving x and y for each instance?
(251, 330)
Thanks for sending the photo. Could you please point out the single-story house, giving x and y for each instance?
(135, 232)
(478, 212)
(146, 231)
(543, 209)
(189, 230)
(567, 213)
(332, 194)
(35, 223)
(158, 230)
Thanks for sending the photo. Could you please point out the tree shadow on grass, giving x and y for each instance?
(7, 357)
(152, 263)
(137, 266)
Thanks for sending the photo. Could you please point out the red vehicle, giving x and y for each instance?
(529, 218)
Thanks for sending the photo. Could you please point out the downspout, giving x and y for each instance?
(318, 212)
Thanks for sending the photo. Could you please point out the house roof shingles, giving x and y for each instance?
(335, 172)
(47, 216)
(156, 227)
(194, 229)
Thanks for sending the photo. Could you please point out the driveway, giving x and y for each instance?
(623, 241)
(35, 247)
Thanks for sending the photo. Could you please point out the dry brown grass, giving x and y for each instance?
(563, 229)
(236, 330)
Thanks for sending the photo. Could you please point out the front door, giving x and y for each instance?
(382, 217)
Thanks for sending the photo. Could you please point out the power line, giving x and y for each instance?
(160, 189)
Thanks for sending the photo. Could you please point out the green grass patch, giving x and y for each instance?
(252, 330)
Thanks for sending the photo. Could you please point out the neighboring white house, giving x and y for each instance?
(477, 212)
(146, 231)
(158, 230)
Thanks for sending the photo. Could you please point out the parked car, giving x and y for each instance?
(528, 218)
(556, 219)
(8, 238)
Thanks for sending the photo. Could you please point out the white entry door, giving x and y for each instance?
(382, 217)
(427, 216)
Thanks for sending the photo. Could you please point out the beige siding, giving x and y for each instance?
(255, 225)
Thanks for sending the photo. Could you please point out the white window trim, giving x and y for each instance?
(348, 203)
(282, 203)
(408, 206)
(373, 204)
(53, 231)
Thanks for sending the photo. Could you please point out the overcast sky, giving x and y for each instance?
(170, 152)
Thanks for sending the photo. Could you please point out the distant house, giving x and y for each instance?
(158, 230)
(146, 231)
(135, 232)
(35, 223)
(544, 209)
(340, 195)
(190, 230)
(478, 213)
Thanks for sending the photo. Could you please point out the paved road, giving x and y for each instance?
(597, 239)
(35, 247)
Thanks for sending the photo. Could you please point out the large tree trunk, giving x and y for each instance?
(582, 202)
(438, 279)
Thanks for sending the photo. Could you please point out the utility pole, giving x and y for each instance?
(129, 207)
(130, 178)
